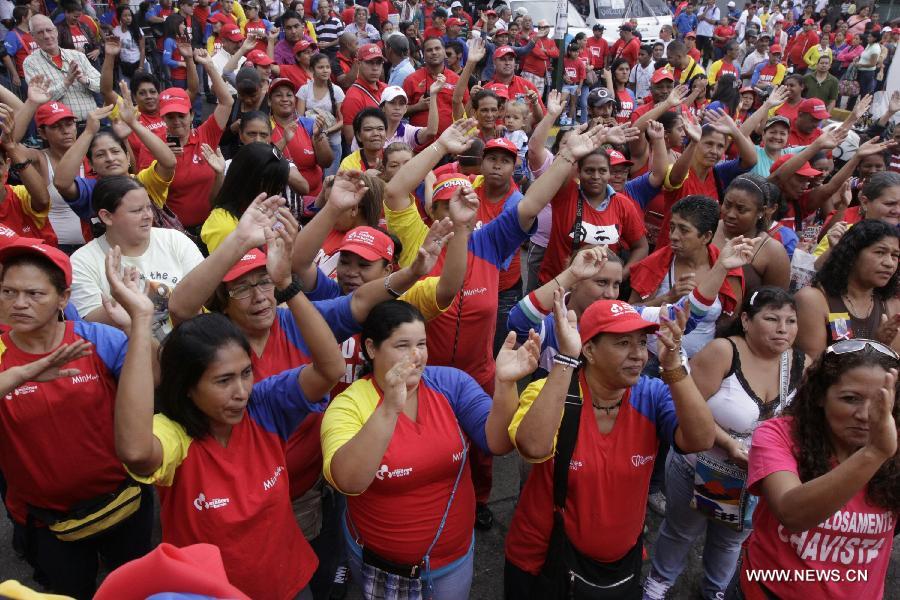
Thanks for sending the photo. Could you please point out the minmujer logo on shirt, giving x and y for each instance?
(639, 461)
(85, 378)
(385, 471)
(269, 483)
(201, 503)
(21, 391)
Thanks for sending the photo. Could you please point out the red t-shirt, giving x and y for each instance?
(257, 28)
(768, 73)
(857, 537)
(517, 89)
(695, 54)
(788, 110)
(487, 212)
(194, 178)
(433, 32)
(574, 69)
(627, 51)
(27, 45)
(56, 437)
(178, 72)
(16, 213)
(796, 138)
(157, 125)
(300, 151)
(295, 73)
(417, 84)
(79, 40)
(626, 106)
(201, 13)
(724, 31)
(598, 50)
(537, 60)
(619, 224)
(360, 95)
(692, 185)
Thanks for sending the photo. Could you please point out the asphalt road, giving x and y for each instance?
(488, 584)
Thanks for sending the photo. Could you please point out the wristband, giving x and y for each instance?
(670, 376)
(387, 287)
(566, 360)
(285, 295)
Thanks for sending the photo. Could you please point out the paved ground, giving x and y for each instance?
(488, 549)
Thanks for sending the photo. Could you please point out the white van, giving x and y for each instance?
(651, 15)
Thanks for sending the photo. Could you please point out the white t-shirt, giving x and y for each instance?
(708, 12)
(170, 256)
(130, 52)
(65, 222)
(219, 59)
(307, 94)
(870, 56)
(640, 77)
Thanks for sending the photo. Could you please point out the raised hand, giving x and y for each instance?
(477, 49)
(861, 107)
(280, 247)
(680, 94)
(778, 97)
(438, 236)
(39, 90)
(893, 103)
(183, 43)
(201, 57)
(831, 138)
(273, 34)
(888, 328)
(566, 324)
(127, 112)
(844, 197)
(836, 232)
(692, 130)
(655, 130)
(621, 134)
(213, 158)
(669, 337)
(347, 189)
(588, 262)
(93, 121)
(721, 121)
(457, 138)
(738, 251)
(439, 82)
(582, 144)
(395, 379)
(7, 126)
(873, 146)
(882, 426)
(112, 46)
(262, 214)
(464, 206)
(555, 103)
(49, 368)
(125, 286)
(512, 364)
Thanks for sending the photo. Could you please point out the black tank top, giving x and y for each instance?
(842, 325)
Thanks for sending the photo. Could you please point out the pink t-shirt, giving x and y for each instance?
(853, 544)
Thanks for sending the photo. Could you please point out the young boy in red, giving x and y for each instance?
(574, 73)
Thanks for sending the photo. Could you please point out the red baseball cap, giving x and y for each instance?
(52, 112)
(258, 57)
(501, 32)
(219, 17)
(447, 184)
(747, 89)
(454, 22)
(814, 107)
(255, 259)
(302, 45)
(369, 52)
(17, 246)
(503, 51)
(809, 22)
(7, 236)
(490, 13)
(617, 158)
(369, 243)
(232, 34)
(501, 144)
(775, 49)
(172, 571)
(174, 100)
(612, 316)
(501, 89)
(805, 170)
(282, 81)
(662, 74)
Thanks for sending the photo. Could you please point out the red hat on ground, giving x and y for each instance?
(282, 81)
(662, 75)
(232, 33)
(447, 184)
(501, 144)
(174, 100)
(501, 89)
(15, 246)
(814, 107)
(303, 44)
(255, 259)
(617, 158)
(259, 58)
(503, 51)
(52, 112)
(612, 316)
(775, 49)
(369, 243)
(369, 52)
(804, 171)
(195, 569)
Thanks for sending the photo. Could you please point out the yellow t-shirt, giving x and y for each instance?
(423, 295)
(218, 225)
(352, 161)
(526, 399)
(824, 245)
(175, 443)
(24, 197)
(157, 187)
(407, 225)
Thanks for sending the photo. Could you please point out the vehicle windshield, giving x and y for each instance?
(624, 9)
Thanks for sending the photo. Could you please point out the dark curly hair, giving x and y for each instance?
(833, 275)
(814, 451)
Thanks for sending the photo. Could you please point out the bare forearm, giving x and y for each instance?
(354, 465)
(134, 402)
(534, 437)
(696, 428)
(453, 274)
(107, 77)
(496, 429)
(396, 192)
(311, 238)
(324, 351)
(198, 285)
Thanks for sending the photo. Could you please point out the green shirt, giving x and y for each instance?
(827, 91)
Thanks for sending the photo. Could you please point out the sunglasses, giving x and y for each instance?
(860, 344)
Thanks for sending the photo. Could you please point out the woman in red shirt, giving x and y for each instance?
(303, 141)
(617, 80)
(795, 88)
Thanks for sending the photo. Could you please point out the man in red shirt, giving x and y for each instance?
(627, 46)
(438, 25)
(536, 62)
(800, 43)
(366, 90)
(417, 84)
(518, 88)
(806, 128)
(456, 10)
(597, 48)
(662, 82)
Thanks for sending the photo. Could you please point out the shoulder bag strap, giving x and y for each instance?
(565, 442)
(784, 374)
(367, 93)
(577, 234)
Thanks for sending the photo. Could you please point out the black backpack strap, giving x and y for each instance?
(565, 442)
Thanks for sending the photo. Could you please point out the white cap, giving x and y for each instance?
(521, 11)
(391, 92)
(731, 4)
(886, 30)
(456, 4)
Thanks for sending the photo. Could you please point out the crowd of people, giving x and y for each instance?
(280, 279)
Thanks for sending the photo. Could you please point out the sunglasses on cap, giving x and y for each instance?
(860, 344)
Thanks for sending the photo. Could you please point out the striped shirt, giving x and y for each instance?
(329, 31)
(78, 96)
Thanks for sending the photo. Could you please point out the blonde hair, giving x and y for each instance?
(523, 110)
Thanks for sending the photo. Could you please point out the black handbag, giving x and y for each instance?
(567, 573)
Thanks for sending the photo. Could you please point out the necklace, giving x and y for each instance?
(852, 306)
(608, 409)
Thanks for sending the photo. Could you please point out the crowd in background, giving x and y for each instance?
(280, 279)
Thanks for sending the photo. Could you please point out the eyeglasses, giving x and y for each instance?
(860, 344)
(244, 291)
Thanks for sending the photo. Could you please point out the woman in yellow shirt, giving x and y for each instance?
(812, 56)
